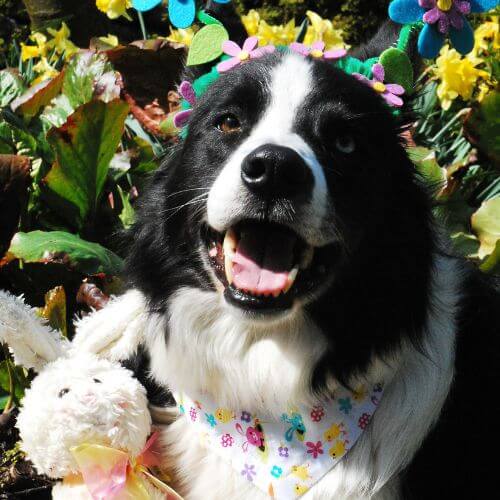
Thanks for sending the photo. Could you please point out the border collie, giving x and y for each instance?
(287, 247)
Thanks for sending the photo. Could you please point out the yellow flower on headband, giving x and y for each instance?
(458, 76)
(114, 8)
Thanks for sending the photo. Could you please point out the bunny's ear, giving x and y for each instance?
(30, 340)
(116, 331)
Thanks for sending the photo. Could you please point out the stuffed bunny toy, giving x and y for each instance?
(84, 420)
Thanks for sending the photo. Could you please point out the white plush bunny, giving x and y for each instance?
(80, 411)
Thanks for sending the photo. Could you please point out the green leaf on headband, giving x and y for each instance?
(398, 68)
(207, 44)
(207, 19)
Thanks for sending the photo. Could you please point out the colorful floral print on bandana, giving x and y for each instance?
(389, 91)
(317, 50)
(284, 457)
(441, 18)
(242, 54)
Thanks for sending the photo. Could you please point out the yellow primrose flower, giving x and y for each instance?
(61, 42)
(458, 76)
(276, 35)
(44, 70)
(38, 50)
(323, 29)
(183, 36)
(251, 22)
(486, 33)
(114, 8)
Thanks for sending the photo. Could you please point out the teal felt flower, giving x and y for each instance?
(441, 18)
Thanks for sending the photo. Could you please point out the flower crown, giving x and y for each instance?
(390, 74)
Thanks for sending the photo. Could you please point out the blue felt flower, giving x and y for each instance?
(441, 18)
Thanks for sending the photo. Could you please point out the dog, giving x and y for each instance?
(287, 247)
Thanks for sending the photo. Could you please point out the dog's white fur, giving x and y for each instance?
(290, 84)
(256, 366)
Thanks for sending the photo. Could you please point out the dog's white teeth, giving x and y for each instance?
(292, 276)
(229, 246)
(307, 257)
(228, 268)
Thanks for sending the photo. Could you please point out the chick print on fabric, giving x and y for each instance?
(284, 457)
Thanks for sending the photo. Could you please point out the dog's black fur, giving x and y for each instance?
(380, 294)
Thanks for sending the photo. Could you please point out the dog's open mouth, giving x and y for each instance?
(264, 266)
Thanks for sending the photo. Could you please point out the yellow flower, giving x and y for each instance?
(276, 35)
(458, 76)
(44, 71)
(486, 33)
(184, 36)
(323, 29)
(38, 50)
(251, 22)
(110, 40)
(61, 42)
(484, 90)
(114, 8)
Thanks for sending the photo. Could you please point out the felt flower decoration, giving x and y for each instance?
(389, 91)
(186, 90)
(441, 18)
(317, 50)
(242, 54)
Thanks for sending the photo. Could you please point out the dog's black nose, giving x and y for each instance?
(273, 170)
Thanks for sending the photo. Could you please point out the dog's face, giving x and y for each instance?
(284, 156)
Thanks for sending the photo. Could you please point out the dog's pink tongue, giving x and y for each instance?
(263, 260)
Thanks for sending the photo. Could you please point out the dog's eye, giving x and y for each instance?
(345, 144)
(62, 392)
(228, 124)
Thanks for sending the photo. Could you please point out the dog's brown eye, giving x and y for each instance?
(229, 124)
(62, 392)
(345, 144)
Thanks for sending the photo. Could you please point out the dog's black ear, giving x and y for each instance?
(387, 36)
(227, 15)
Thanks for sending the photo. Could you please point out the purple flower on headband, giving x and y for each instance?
(242, 54)
(445, 13)
(186, 90)
(389, 91)
(317, 50)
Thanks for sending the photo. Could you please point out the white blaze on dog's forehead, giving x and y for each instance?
(291, 81)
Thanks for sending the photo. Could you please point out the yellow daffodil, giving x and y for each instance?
(458, 76)
(110, 40)
(484, 90)
(251, 22)
(277, 34)
(61, 42)
(323, 29)
(114, 8)
(38, 50)
(44, 71)
(184, 36)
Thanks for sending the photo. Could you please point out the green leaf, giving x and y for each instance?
(465, 244)
(398, 68)
(206, 45)
(84, 147)
(11, 86)
(57, 113)
(205, 18)
(66, 248)
(492, 263)
(486, 224)
(428, 167)
(127, 215)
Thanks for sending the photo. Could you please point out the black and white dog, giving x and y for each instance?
(287, 246)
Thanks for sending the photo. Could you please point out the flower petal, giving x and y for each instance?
(463, 6)
(319, 45)
(392, 100)
(405, 11)
(427, 4)
(482, 5)
(228, 64)
(463, 40)
(335, 54)
(299, 48)
(362, 78)
(394, 88)
(250, 43)
(231, 48)
(432, 16)
(456, 19)
(181, 118)
(378, 72)
(186, 90)
(430, 42)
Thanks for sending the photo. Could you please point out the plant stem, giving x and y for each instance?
(143, 26)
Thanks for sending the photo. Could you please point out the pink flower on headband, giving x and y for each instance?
(389, 91)
(317, 50)
(187, 92)
(242, 54)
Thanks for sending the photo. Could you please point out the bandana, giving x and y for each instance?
(283, 457)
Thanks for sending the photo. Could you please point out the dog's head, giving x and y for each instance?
(292, 189)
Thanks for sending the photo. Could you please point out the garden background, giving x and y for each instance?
(87, 97)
